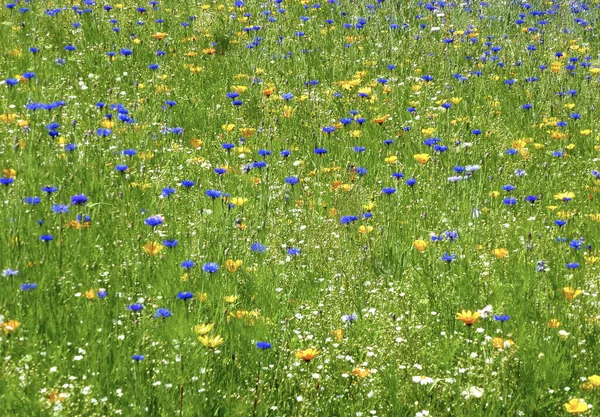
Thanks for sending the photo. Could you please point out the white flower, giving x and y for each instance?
(563, 334)
(473, 392)
(485, 311)
(423, 380)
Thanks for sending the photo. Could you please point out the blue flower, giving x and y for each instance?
(576, 244)
(287, 96)
(185, 295)
(46, 238)
(154, 221)
(187, 183)
(349, 318)
(135, 307)
(560, 223)
(187, 264)
(361, 171)
(170, 243)
(28, 287)
(510, 201)
(258, 247)
(121, 168)
(448, 257)
(388, 191)
(32, 200)
(210, 267)
(166, 192)
(214, 193)
(9, 272)
(79, 200)
(411, 182)
(162, 313)
(532, 198)
(220, 171)
(285, 153)
(348, 219)
(137, 358)
(292, 180)
(6, 181)
(293, 251)
(60, 208)
(320, 151)
(263, 345)
(501, 317)
(573, 265)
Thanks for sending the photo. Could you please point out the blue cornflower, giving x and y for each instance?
(154, 221)
(185, 295)
(411, 182)
(32, 200)
(166, 192)
(361, 171)
(263, 345)
(349, 318)
(388, 191)
(532, 198)
(170, 243)
(9, 272)
(501, 317)
(258, 247)
(573, 265)
(292, 180)
(214, 193)
(220, 171)
(210, 267)
(560, 223)
(320, 151)
(137, 358)
(576, 244)
(60, 208)
(46, 238)
(187, 264)
(121, 168)
(285, 153)
(135, 307)
(6, 181)
(28, 287)
(348, 219)
(187, 183)
(162, 313)
(293, 251)
(79, 200)
(446, 257)
(510, 201)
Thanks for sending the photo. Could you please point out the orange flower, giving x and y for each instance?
(307, 355)
(571, 293)
(361, 372)
(233, 265)
(420, 245)
(196, 143)
(422, 158)
(499, 253)
(554, 323)
(338, 334)
(247, 132)
(381, 119)
(10, 326)
(468, 317)
(209, 51)
(9, 173)
(152, 248)
(159, 35)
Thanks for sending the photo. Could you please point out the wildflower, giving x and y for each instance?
(263, 345)
(422, 380)
(502, 317)
(210, 267)
(571, 293)
(446, 257)
(307, 355)
(567, 196)
(152, 248)
(185, 295)
(361, 372)
(259, 247)
(422, 158)
(499, 253)
(233, 265)
(211, 342)
(576, 406)
(203, 329)
(154, 221)
(420, 245)
(9, 272)
(468, 317)
(10, 326)
(162, 313)
(188, 264)
(230, 299)
(554, 323)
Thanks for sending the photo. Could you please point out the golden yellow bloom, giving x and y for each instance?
(337, 334)
(203, 329)
(238, 201)
(210, 342)
(361, 372)
(585, 132)
(209, 51)
(202, 297)
(9, 173)
(576, 406)
(90, 294)
(499, 253)
(571, 293)
(468, 317)
(231, 299)
(455, 100)
(564, 196)
(10, 326)
(228, 127)
(365, 229)
(500, 343)
(554, 324)
(268, 91)
(594, 380)
(555, 66)
(233, 265)
(159, 35)
(428, 131)
(152, 248)
(381, 119)
(391, 159)
(422, 158)
(494, 194)
(240, 89)
(370, 206)
(307, 355)
(247, 132)
(420, 245)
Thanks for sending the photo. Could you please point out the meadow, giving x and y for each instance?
(292, 208)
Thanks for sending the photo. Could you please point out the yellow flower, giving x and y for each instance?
(203, 329)
(420, 245)
(240, 89)
(210, 342)
(307, 355)
(422, 158)
(392, 159)
(468, 317)
(499, 253)
(381, 119)
(90, 294)
(9, 173)
(159, 35)
(365, 229)
(10, 326)
(231, 299)
(152, 248)
(500, 343)
(337, 334)
(361, 372)
(576, 406)
(585, 132)
(554, 323)
(455, 100)
(571, 293)
(233, 265)
(202, 297)
(594, 380)
(228, 127)
(238, 201)
(428, 131)
(566, 196)
(555, 67)
(247, 132)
